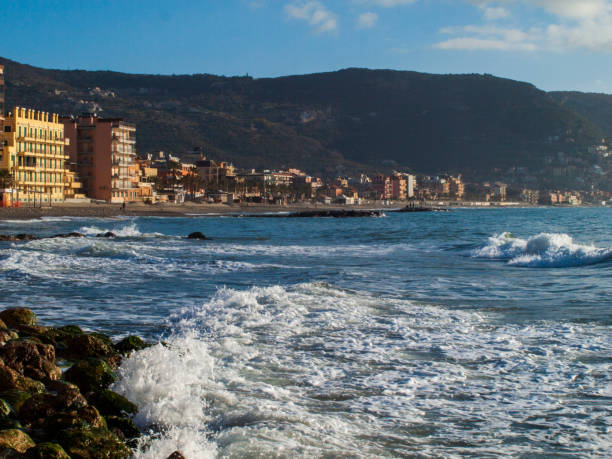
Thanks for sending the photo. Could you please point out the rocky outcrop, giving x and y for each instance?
(47, 414)
(197, 235)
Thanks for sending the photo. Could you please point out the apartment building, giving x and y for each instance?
(104, 152)
(33, 146)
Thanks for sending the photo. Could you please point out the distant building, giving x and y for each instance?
(32, 151)
(104, 151)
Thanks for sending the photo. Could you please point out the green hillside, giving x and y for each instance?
(482, 126)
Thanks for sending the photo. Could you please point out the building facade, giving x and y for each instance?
(104, 152)
(33, 152)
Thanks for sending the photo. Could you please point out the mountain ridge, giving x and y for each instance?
(334, 122)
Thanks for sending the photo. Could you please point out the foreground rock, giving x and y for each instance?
(47, 414)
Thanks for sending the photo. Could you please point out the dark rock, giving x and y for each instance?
(12, 380)
(46, 451)
(31, 359)
(112, 403)
(176, 455)
(125, 425)
(131, 343)
(15, 398)
(91, 375)
(92, 444)
(107, 234)
(84, 346)
(15, 439)
(26, 237)
(14, 317)
(10, 423)
(39, 407)
(9, 453)
(196, 235)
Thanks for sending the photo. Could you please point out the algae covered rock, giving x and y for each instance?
(31, 359)
(131, 343)
(92, 444)
(15, 439)
(15, 317)
(12, 380)
(5, 409)
(123, 425)
(46, 451)
(91, 375)
(84, 346)
(112, 403)
(15, 398)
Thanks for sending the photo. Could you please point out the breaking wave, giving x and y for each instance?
(316, 371)
(545, 250)
(130, 230)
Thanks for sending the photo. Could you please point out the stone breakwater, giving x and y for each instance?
(49, 413)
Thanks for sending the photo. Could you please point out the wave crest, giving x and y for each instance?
(545, 250)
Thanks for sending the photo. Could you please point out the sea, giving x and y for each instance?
(472, 332)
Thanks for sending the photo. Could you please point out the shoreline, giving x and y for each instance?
(194, 210)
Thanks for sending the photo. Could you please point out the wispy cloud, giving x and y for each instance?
(384, 3)
(572, 24)
(320, 19)
(367, 20)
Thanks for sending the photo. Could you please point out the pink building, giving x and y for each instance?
(103, 150)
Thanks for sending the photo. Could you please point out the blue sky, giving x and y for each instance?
(555, 44)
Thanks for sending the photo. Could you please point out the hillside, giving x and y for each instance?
(327, 123)
(593, 106)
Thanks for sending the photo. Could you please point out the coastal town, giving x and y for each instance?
(48, 159)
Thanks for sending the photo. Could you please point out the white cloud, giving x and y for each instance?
(367, 20)
(572, 24)
(384, 3)
(314, 13)
(497, 12)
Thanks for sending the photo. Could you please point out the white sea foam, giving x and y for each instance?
(311, 371)
(545, 250)
(130, 230)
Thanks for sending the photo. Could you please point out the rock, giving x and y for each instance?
(15, 398)
(91, 375)
(10, 453)
(40, 407)
(10, 423)
(31, 359)
(13, 380)
(3, 326)
(112, 403)
(131, 343)
(87, 417)
(14, 317)
(15, 439)
(46, 451)
(104, 338)
(123, 424)
(176, 455)
(196, 235)
(5, 409)
(5, 336)
(84, 346)
(107, 234)
(92, 444)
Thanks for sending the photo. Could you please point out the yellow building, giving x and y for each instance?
(33, 146)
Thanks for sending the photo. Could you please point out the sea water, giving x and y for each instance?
(483, 332)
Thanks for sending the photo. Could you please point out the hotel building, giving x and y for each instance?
(104, 152)
(32, 150)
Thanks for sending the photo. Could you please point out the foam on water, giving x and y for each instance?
(313, 370)
(545, 250)
(130, 230)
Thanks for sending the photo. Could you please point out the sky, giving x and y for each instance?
(554, 44)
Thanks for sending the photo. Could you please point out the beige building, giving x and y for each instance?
(104, 152)
(33, 151)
